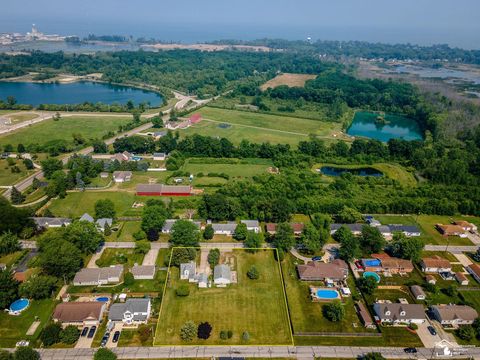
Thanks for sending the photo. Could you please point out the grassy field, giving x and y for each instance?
(305, 314)
(256, 306)
(392, 171)
(127, 230)
(14, 328)
(242, 169)
(288, 79)
(118, 257)
(89, 127)
(25, 116)
(7, 177)
(432, 236)
(12, 258)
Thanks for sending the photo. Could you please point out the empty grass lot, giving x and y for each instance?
(432, 236)
(90, 127)
(241, 169)
(288, 79)
(119, 257)
(256, 306)
(7, 177)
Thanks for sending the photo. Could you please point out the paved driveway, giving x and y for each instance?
(84, 342)
(150, 257)
(110, 343)
(428, 339)
(463, 259)
(91, 264)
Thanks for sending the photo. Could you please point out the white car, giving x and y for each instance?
(22, 343)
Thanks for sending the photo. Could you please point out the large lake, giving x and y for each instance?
(76, 93)
(364, 124)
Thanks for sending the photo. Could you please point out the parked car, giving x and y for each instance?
(91, 332)
(116, 336)
(317, 258)
(432, 330)
(410, 350)
(84, 331)
(105, 339)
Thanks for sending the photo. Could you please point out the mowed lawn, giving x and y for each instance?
(241, 169)
(14, 328)
(7, 177)
(431, 234)
(256, 306)
(90, 127)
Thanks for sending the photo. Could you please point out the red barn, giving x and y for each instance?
(163, 190)
(195, 118)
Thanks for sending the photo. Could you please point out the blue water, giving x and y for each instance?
(371, 262)
(19, 305)
(364, 124)
(75, 93)
(327, 294)
(102, 299)
(338, 171)
(367, 274)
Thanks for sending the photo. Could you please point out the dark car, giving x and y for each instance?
(317, 258)
(91, 332)
(116, 336)
(432, 330)
(84, 331)
(410, 350)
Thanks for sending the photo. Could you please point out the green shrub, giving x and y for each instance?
(182, 290)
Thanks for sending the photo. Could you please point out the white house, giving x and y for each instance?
(132, 312)
(454, 314)
(143, 272)
(50, 222)
(399, 314)
(252, 225)
(224, 229)
(222, 275)
(167, 227)
(98, 276)
(102, 223)
(188, 271)
(159, 156)
(435, 264)
(122, 176)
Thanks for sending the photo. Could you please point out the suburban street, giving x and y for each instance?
(300, 352)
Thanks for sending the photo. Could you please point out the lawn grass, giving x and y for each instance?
(12, 258)
(128, 228)
(14, 328)
(306, 315)
(256, 306)
(288, 79)
(444, 254)
(431, 234)
(111, 257)
(7, 177)
(242, 169)
(90, 127)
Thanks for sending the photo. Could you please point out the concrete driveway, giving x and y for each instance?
(84, 342)
(91, 264)
(428, 339)
(463, 259)
(150, 257)
(117, 327)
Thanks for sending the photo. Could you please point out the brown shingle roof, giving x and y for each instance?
(460, 276)
(436, 262)
(474, 269)
(314, 270)
(78, 311)
(454, 312)
(450, 229)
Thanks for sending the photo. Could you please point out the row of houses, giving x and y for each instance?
(111, 275)
(218, 228)
(42, 223)
(457, 228)
(222, 275)
(386, 230)
(127, 156)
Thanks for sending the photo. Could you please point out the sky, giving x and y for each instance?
(417, 21)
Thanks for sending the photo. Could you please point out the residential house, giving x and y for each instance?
(86, 217)
(335, 271)
(143, 272)
(158, 134)
(394, 265)
(224, 229)
(122, 176)
(103, 222)
(163, 190)
(98, 276)
(435, 264)
(474, 270)
(297, 228)
(407, 230)
(125, 156)
(252, 225)
(430, 279)
(167, 227)
(454, 315)
(131, 312)
(465, 225)
(79, 313)
(370, 220)
(159, 156)
(451, 230)
(364, 315)
(398, 314)
(418, 292)
(222, 275)
(50, 222)
(356, 229)
(188, 271)
(461, 278)
(385, 231)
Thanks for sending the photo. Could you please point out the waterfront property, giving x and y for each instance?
(338, 171)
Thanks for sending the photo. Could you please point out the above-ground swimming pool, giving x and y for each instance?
(102, 299)
(371, 262)
(327, 294)
(18, 306)
(367, 274)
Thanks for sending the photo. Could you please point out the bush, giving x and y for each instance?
(253, 273)
(223, 335)
(413, 326)
(104, 354)
(128, 279)
(204, 330)
(51, 334)
(229, 334)
(139, 235)
(70, 334)
(182, 290)
(333, 311)
(188, 331)
(26, 353)
(7, 355)
(466, 332)
(208, 232)
(245, 336)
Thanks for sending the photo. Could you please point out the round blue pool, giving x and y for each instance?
(19, 305)
(102, 299)
(367, 274)
(327, 294)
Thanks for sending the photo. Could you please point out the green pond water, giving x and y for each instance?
(365, 124)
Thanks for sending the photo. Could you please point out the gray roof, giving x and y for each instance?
(384, 229)
(167, 227)
(417, 291)
(191, 267)
(97, 274)
(455, 312)
(43, 222)
(231, 226)
(101, 222)
(221, 271)
(202, 278)
(352, 227)
(251, 223)
(404, 228)
(158, 154)
(122, 174)
(86, 217)
(143, 270)
(131, 305)
(398, 312)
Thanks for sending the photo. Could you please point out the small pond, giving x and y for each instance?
(337, 171)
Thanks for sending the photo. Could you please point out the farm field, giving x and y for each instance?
(393, 171)
(288, 79)
(257, 306)
(89, 127)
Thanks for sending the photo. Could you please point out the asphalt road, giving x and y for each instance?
(250, 352)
